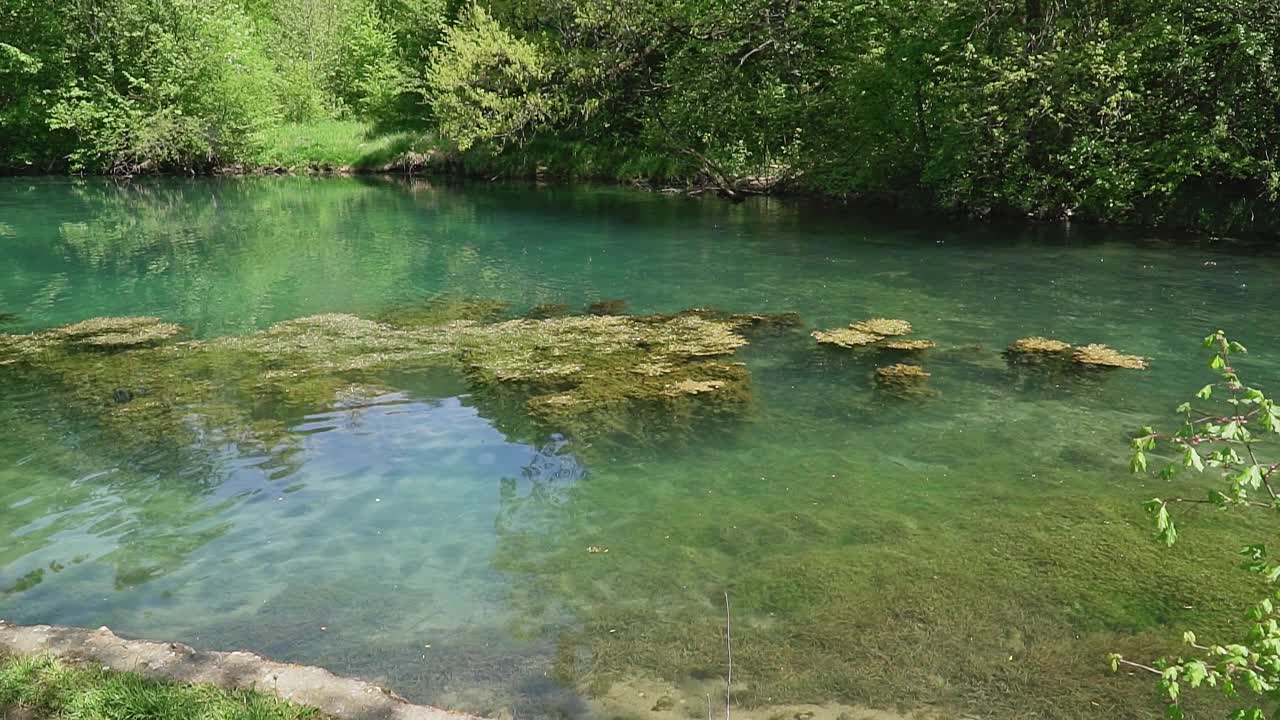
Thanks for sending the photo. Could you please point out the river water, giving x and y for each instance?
(978, 547)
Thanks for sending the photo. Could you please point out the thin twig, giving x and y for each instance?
(1139, 666)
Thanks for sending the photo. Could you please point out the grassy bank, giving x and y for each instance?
(335, 144)
(43, 687)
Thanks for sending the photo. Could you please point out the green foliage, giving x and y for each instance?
(1136, 110)
(129, 86)
(1146, 110)
(485, 84)
(1226, 443)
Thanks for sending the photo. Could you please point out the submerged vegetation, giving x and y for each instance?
(1041, 351)
(580, 375)
(50, 689)
(1141, 110)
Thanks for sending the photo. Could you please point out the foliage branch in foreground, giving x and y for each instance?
(1222, 437)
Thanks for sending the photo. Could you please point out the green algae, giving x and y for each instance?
(609, 306)
(886, 608)
(444, 308)
(579, 375)
(547, 310)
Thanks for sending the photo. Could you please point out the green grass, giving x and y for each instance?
(333, 144)
(49, 688)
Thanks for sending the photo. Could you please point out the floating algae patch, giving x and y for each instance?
(901, 373)
(599, 374)
(1103, 356)
(909, 345)
(1043, 350)
(113, 333)
(1037, 345)
(903, 379)
(882, 326)
(845, 337)
(580, 375)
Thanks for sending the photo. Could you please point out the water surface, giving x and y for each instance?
(977, 549)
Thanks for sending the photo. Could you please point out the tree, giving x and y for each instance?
(485, 84)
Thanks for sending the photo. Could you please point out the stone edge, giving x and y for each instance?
(340, 697)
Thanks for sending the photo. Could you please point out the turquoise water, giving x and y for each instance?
(978, 548)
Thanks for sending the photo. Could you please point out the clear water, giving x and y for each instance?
(978, 550)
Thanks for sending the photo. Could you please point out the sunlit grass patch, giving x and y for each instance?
(334, 144)
(50, 688)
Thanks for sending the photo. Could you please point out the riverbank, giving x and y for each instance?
(51, 672)
(77, 667)
(350, 147)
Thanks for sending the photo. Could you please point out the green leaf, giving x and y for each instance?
(1205, 392)
(1216, 362)
(1192, 459)
(1138, 463)
(1183, 408)
(1196, 672)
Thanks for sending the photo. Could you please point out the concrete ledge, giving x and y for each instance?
(344, 698)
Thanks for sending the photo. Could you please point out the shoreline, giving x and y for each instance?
(433, 166)
(348, 698)
(334, 695)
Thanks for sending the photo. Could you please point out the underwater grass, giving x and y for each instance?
(54, 689)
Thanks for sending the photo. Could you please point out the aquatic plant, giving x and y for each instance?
(119, 332)
(580, 375)
(901, 373)
(610, 306)
(845, 337)
(446, 307)
(909, 345)
(882, 326)
(1225, 442)
(1103, 356)
(1044, 351)
(547, 310)
(1038, 345)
